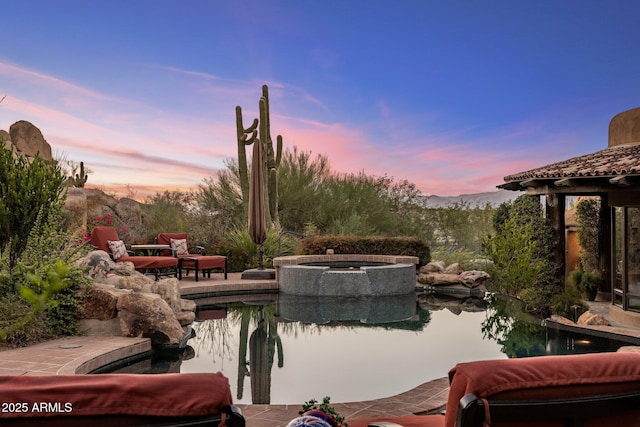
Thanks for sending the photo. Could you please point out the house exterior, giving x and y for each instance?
(613, 175)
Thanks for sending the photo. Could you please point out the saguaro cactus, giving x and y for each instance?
(245, 137)
(272, 158)
(80, 178)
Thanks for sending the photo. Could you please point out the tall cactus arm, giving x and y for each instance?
(243, 141)
(278, 150)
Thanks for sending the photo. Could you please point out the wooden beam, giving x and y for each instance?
(621, 180)
(565, 182)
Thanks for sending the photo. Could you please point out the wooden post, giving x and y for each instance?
(555, 207)
(605, 255)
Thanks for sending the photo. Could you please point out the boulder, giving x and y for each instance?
(186, 317)
(99, 264)
(454, 268)
(28, 140)
(438, 279)
(100, 302)
(148, 315)
(169, 290)
(432, 267)
(129, 211)
(136, 282)
(629, 349)
(473, 278)
(188, 305)
(589, 318)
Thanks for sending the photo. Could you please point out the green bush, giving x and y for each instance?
(521, 252)
(568, 303)
(39, 277)
(28, 188)
(352, 244)
(586, 282)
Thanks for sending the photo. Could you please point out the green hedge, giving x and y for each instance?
(351, 244)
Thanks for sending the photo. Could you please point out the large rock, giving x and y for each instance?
(148, 315)
(101, 302)
(98, 264)
(589, 318)
(473, 278)
(129, 211)
(28, 140)
(169, 290)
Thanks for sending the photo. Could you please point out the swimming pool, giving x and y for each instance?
(283, 351)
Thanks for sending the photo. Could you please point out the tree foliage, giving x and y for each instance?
(521, 254)
(589, 230)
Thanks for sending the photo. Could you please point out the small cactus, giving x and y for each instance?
(80, 178)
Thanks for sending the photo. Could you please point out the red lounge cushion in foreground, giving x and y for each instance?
(164, 395)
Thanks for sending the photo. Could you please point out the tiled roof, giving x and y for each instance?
(610, 162)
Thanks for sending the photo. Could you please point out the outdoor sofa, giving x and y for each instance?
(598, 389)
(194, 399)
(192, 257)
(106, 238)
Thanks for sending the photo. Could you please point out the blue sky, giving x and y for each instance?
(450, 95)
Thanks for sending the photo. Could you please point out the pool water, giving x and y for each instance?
(272, 358)
(345, 362)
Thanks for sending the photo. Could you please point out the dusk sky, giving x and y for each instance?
(451, 95)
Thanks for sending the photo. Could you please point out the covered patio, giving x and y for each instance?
(613, 175)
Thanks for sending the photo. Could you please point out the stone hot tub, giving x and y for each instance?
(346, 275)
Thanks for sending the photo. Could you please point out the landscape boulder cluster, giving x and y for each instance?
(127, 303)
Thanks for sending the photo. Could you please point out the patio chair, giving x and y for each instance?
(192, 257)
(195, 399)
(106, 238)
(597, 389)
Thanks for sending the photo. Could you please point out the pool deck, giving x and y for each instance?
(79, 355)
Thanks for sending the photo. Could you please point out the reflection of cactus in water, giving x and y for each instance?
(264, 343)
(247, 136)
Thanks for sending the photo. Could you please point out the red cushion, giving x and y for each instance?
(141, 262)
(164, 395)
(165, 239)
(205, 262)
(101, 235)
(545, 376)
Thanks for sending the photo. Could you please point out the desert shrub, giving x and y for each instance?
(47, 269)
(28, 188)
(568, 303)
(468, 260)
(242, 252)
(586, 282)
(368, 245)
(38, 273)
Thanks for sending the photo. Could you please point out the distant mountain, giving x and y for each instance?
(493, 198)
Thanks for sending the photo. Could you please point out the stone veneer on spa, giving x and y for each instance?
(361, 275)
